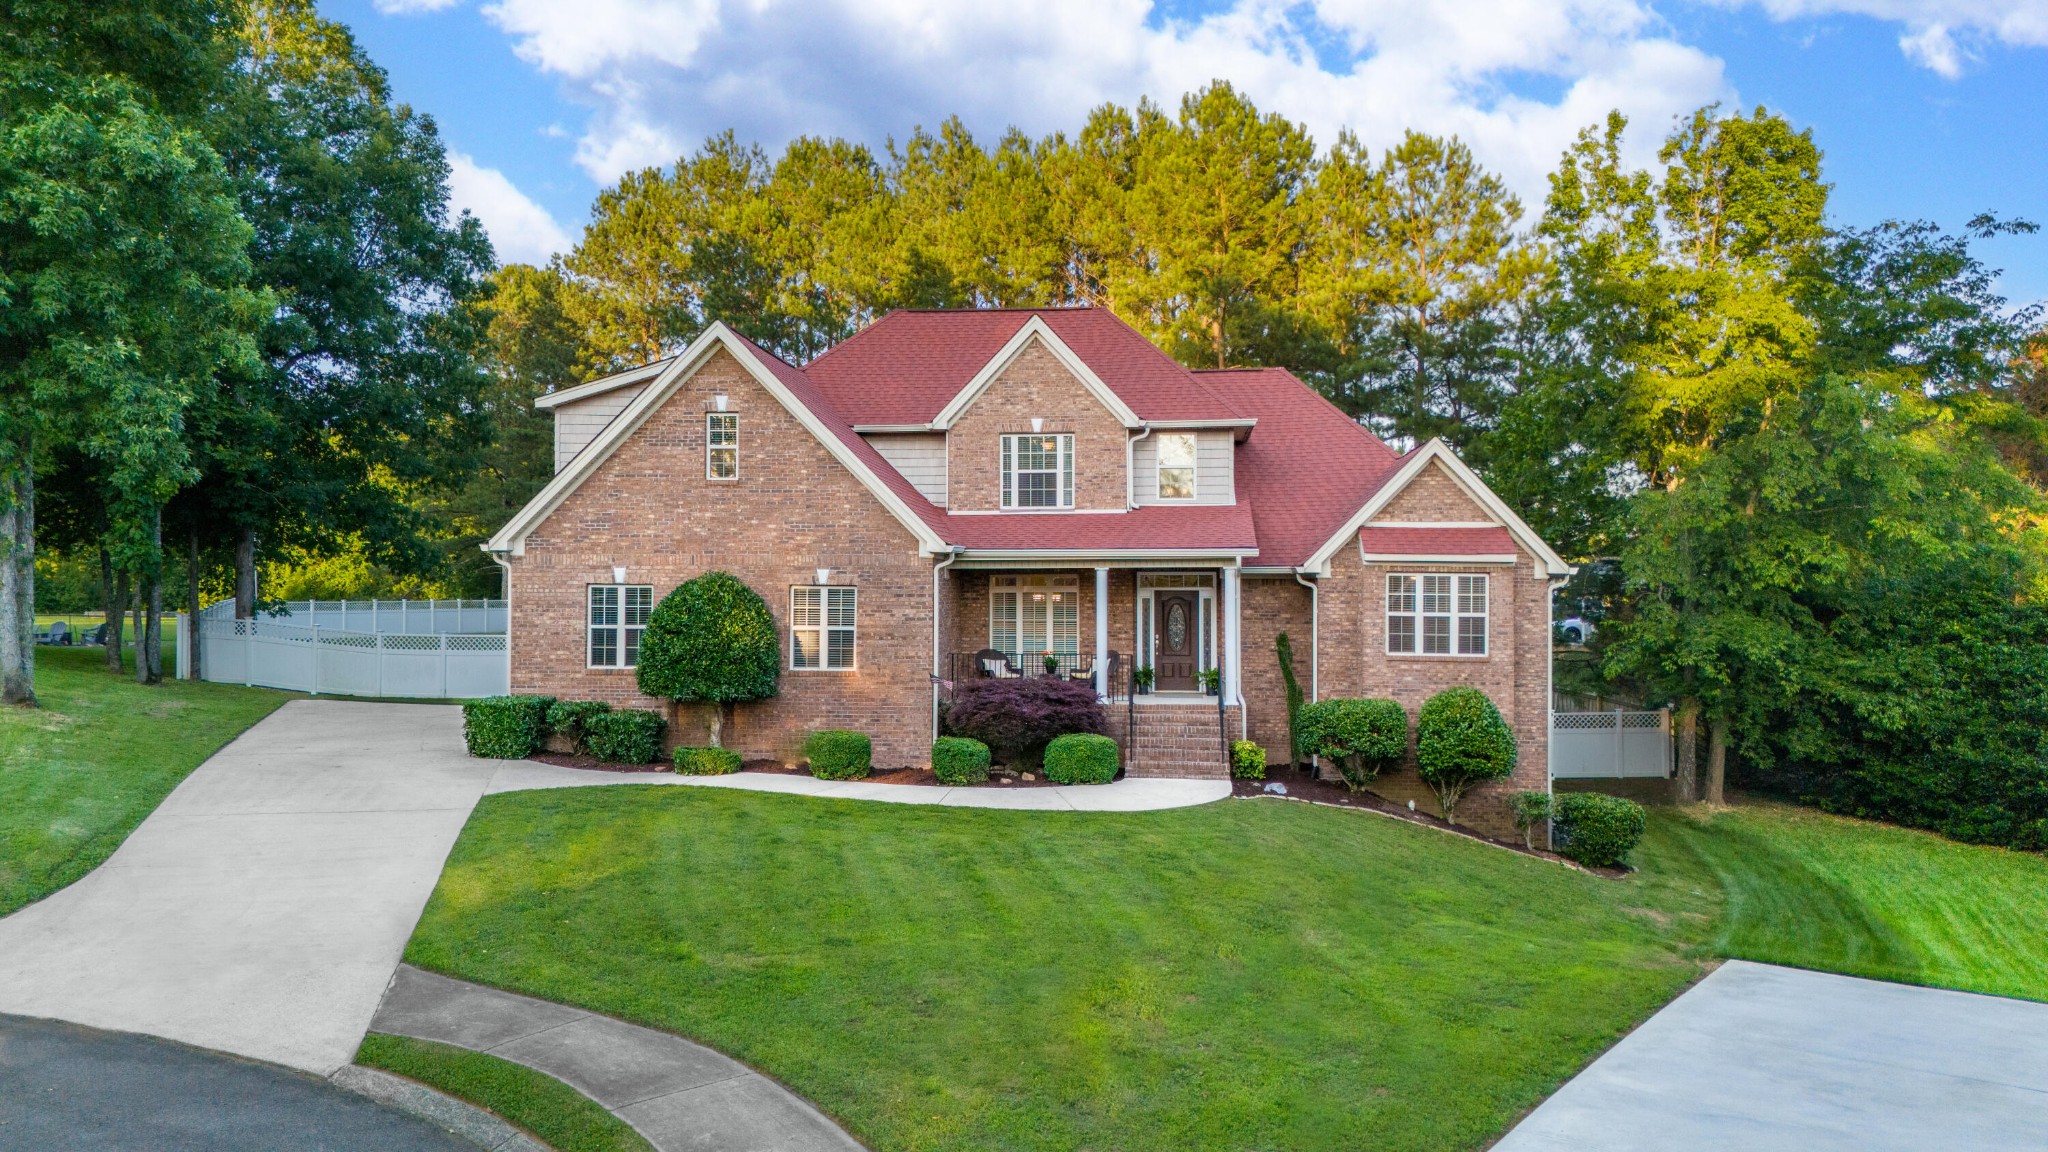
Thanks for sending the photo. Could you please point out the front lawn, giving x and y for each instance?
(78, 774)
(1250, 974)
(1818, 891)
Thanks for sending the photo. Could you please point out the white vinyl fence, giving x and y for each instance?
(1610, 745)
(384, 649)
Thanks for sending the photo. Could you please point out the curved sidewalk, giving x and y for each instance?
(1129, 795)
(678, 1094)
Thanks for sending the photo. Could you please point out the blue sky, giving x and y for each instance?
(1926, 109)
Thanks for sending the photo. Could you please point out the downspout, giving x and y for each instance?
(1315, 648)
(504, 565)
(1550, 697)
(1131, 466)
(938, 574)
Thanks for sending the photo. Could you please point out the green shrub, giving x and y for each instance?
(706, 761)
(1363, 738)
(958, 760)
(1529, 810)
(836, 754)
(1247, 760)
(1597, 829)
(1081, 758)
(570, 719)
(1461, 741)
(711, 641)
(628, 736)
(505, 727)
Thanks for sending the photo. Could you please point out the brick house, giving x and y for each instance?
(959, 493)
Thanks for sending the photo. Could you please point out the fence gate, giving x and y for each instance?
(384, 648)
(1610, 745)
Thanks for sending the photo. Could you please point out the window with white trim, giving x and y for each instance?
(1436, 614)
(821, 627)
(1038, 471)
(721, 445)
(616, 618)
(1176, 465)
(1032, 617)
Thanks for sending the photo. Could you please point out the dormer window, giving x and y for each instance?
(1177, 466)
(1038, 471)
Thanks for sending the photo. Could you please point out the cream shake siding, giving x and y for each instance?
(1215, 482)
(920, 456)
(578, 422)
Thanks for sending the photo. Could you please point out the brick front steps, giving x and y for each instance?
(1175, 741)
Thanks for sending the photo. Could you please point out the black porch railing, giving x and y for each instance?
(989, 663)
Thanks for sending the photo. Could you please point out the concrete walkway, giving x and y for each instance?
(1135, 795)
(677, 1094)
(63, 1087)
(1769, 1059)
(261, 909)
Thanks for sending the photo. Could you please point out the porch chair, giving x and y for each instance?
(994, 665)
(59, 633)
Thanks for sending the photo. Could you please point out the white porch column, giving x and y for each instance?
(1232, 633)
(1102, 684)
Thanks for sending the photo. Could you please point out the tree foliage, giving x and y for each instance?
(711, 641)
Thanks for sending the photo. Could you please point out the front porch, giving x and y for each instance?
(1156, 642)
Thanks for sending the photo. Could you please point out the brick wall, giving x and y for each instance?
(1272, 605)
(1035, 384)
(1433, 495)
(792, 510)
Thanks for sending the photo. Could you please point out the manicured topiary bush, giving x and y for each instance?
(1597, 829)
(569, 719)
(1363, 738)
(959, 760)
(836, 754)
(1461, 741)
(1018, 718)
(505, 727)
(706, 761)
(1529, 810)
(712, 641)
(1081, 758)
(1247, 760)
(628, 736)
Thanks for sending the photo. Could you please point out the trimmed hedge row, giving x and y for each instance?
(837, 754)
(1081, 758)
(505, 727)
(958, 760)
(627, 736)
(706, 761)
(570, 719)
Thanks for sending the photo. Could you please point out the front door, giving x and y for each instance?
(1176, 641)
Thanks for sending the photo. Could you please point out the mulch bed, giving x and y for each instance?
(778, 768)
(1302, 786)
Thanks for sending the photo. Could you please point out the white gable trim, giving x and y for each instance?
(1549, 563)
(601, 385)
(512, 537)
(1034, 327)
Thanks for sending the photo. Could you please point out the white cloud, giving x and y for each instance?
(413, 7)
(520, 230)
(1932, 26)
(1516, 78)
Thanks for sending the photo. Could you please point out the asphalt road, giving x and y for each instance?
(65, 1087)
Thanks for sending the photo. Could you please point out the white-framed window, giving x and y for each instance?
(1176, 465)
(721, 445)
(1038, 471)
(821, 627)
(1032, 617)
(617, 616)
(1436, 614)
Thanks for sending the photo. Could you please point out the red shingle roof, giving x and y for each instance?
(905, 367)
(1306, 468)
(1155, 527)
(1406, 541)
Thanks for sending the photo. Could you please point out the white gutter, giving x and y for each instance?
(938, 573)
(1315, 650)
(1131, 465)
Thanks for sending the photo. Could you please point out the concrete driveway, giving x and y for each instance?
(262, 908)
(1767, 1059)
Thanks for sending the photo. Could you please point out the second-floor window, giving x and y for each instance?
(1038, 471)
(1177, 466)
(721, 445)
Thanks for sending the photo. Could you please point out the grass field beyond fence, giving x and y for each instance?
(79, 773)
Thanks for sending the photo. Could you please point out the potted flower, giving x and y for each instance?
(1052, 664)
(1143, 678)
(1212, 680)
